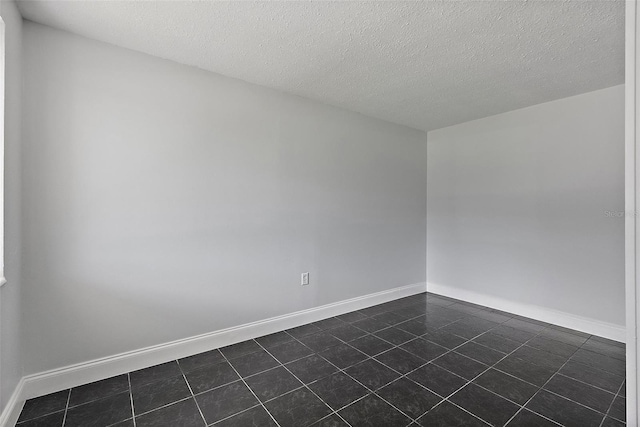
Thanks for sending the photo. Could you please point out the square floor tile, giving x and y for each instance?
(343, 356)
(51, 420)
(484, 404)
(347, 332)
(272, 383)
(615, 350)
(351, 317)
(526, 418)
(320, 341)
(563, 411)
(585, 394)
(297, 408)
(253, 363)
(409, 397)
(460, 365)
(98, 390)
(590, 375)
(507, 386)
(290, 351)
(225, 401)
(331, 421)
(44, 405)
(240, 349)
(211, 376)
(311, 368)
(424, 349)
(330, 323)
(371, 345)
(497, 342)
(272, 340)
(437, 379)
(395, 336)
(372, 374)
(619, 409)
(415, 327)
(338, 390)
(600, 361)
(155, 373)
(534, 374)
(444, 339)
(200, 360)
(539, 357)
(390, 318)
(480, 353)
(372, 411)
(181, 414)
(552, 346)
(512, 333)
(370, 325)
(448, 415)
(400, 360)
(103, 412)
(254, 417)
(304, 330)
(160, 393)
(573, 338)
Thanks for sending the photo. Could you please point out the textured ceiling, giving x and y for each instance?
(423, 64)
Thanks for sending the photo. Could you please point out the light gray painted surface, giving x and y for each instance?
(162, 201)
(10, 324)
(517, 206)
(425, 64)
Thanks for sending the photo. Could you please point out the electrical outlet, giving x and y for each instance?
(304, 279)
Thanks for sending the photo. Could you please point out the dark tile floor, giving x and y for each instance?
(424, 360)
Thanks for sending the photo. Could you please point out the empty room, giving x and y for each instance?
(318, 213)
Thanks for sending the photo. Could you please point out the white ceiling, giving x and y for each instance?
(424, 64)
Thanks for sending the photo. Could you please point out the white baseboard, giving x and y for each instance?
(567, 320)
(11, 412)
(72, 376)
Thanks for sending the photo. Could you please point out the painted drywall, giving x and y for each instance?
(527, 206)
(10, 323)
(162, 201)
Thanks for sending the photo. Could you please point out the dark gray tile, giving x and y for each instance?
(526, 418)
(409, 397)
(240, 349)
(311, 368)
(469, 329)
(272, 340)
(460, 365)
(512, 333)
(444, 339)
(253, 363)
(593, 376)
(607, 349)
(600, 361)
(98, 390)
(480, 353)
(539, 357)
(415, 327)
(347, 332)
(372, 411)
(181, 414)
(448, 415)
(437, 379)
(320, 341)
(160, 393)
(390, 318)
(497, 342)
(351, 317)
(424, 349)
(395, 336)
(304, 330)
(563, 411)
(39, 406)
(125, 423)
(290, 351)
(273, 383)
(331, 421)
(623, 389)
(619, 409)
(580, 392)
(211, 376)
(526, 371)
(103, 412)
(493, 316)
(338, 390)
(571, 338)
(371, 345)
(343, 356)
(506, 386)
(372, 374)
(552, 346)
(200, 360)
(525, 325)
(611, 422)
(254, 417)
(330, 323)
(297, 408)
(51, 420)
(225, 401)
(490, 407)
(400, 360)
(370, 325)
(155, 373)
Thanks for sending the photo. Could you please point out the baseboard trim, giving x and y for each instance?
(74, 375)
(11, 412)
(566, 320)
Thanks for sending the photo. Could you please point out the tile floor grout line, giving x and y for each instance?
(66, 409)
(247, 386)
(133, 409)
(184, 377)
(611, 404)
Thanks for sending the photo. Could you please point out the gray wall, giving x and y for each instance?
(10, 325)
(517, 206)
(162, 201)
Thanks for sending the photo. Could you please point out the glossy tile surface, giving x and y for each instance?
(423, 360)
